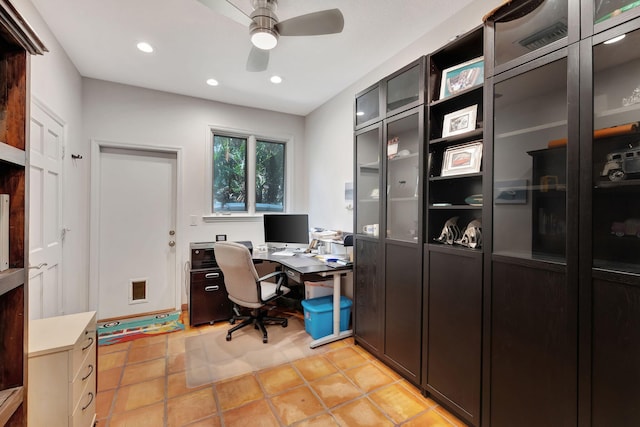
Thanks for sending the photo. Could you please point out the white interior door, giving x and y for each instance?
(45, 214)
(136, 257)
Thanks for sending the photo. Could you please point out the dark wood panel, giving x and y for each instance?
(208, 298)
(13, 99)
(368, 296)
(533, 347)
(616, 354)
(12, 182)
(455, 330)
(403, 303)
(12, 318)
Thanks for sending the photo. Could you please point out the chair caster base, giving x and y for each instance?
(228, 337)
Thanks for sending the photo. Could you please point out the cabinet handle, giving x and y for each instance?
(212, 288)
(88, 345)
(211, 275)
(89, 374)
(90, 400)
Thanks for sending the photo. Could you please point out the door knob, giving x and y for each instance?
(172, 243)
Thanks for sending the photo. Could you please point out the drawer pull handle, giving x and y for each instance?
(90, 400)
(290, 273)
(212, 288)
(89, 374)
(88, 345)
(211, 275)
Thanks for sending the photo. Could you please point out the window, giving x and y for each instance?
(248, 174)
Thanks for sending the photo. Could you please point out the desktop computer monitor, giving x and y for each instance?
(286, 229)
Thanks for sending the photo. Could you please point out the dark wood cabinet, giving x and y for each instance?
(369, 301)
(453, 329)
(208, 298)
(18, 42)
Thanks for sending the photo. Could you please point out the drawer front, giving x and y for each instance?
(85, 411)
(86, 375)
(293, 275)
(208, 298)
(85, 345)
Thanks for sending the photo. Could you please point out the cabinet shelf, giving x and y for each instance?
(11, 279)
(458, 138)
(10, 401)
(373, 166)
(12, 155)
(532, 129)
(403, 199)
(454, 207)
(462, 176)
(458, 95)
(441, 247)
(617, 184)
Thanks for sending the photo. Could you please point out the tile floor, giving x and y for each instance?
(142, 383)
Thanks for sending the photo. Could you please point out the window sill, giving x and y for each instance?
(232, 217)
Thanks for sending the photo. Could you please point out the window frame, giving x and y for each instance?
(252, 137)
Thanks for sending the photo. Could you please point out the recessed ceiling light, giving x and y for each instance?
(212, 82)
(276, 79)
(615, 39)
(145, 47)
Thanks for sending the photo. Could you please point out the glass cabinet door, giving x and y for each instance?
(616, 154)
(404, 88)
(403, 146)
(367, 106)
(529, 164)
(368, 181)
(607, 9)
(529, 26)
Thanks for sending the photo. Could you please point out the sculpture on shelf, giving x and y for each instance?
(450, 232)
(472, 235)
(630, 227)
(621, 163)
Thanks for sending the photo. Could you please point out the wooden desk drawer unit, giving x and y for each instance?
(62, 371)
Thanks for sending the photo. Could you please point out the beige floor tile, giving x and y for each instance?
(103, 403)
(279, 379)
(399, 402)
(113, 348)
(314, 367)
(431, 418)
(213, 421)
(149, 340)
(190, 407)
(144, 371)
(177, 385)
(138, 395)
(449, 416)
(176, 363)
(148, 352)
(109, 379)
(238, 391)
(360, 413)
(324, 420)
(176, 345)
(335, 389)
(149, 416)
(256, 413)
(346, 358)
(368, 377)
(296, 405)
(111, 360)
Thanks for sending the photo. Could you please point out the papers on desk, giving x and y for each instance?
(284, 253)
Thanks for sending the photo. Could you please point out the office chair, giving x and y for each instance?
(246, 289)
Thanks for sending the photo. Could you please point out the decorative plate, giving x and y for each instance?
(474, 200)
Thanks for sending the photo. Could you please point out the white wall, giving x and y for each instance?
(57, 84)
(329, 128)
(126, 114)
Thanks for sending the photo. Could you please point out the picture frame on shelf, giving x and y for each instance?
(462, 159)
(462, 77)
(460, 121)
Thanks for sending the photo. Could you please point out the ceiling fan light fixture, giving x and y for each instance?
(264, 39)
(144, 47)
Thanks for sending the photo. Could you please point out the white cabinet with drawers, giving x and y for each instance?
(62, 371)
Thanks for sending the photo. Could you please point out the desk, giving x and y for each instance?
(299, 267)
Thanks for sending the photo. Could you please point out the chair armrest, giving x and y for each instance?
(282, 277)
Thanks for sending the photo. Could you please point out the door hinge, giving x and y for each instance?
(63, 151)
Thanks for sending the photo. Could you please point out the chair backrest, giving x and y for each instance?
(240, 275)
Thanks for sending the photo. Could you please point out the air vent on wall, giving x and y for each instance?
(545, 36)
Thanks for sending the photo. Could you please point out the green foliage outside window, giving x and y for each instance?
(269, 176)
(229, 174)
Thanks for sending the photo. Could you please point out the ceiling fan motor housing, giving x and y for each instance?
(264, 17)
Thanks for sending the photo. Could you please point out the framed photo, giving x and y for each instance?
(460, 121)
(511, 192)
(462, 159)
(462, 77)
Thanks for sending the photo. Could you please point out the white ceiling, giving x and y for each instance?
(193, 43)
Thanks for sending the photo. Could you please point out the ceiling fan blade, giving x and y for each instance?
(258, 60)
(223, 7)
(313, 24)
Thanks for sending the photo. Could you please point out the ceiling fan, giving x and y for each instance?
(265, 29)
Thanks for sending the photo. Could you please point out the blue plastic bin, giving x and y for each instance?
(318, 315)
